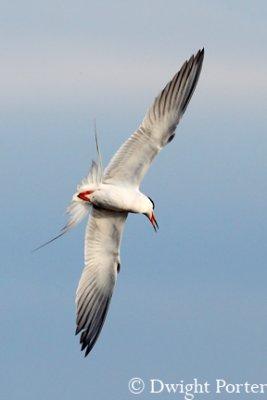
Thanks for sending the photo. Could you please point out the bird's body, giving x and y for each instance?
(111, 194)
(116, 198)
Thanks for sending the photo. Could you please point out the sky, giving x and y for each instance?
(190, 301)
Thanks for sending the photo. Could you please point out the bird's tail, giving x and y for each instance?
(78, 209)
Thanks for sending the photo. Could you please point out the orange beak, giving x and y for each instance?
(153, 221)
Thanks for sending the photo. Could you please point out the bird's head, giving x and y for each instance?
(151, 215)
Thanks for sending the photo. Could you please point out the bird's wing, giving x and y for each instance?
(102, 263)
(132, 160)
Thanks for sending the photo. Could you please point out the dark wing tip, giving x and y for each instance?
(201, 54)
(193, 73)
(90, 334)
(198, 56)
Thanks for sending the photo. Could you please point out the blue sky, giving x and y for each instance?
(191, 300)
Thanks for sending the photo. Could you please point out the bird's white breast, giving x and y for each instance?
(118, 198)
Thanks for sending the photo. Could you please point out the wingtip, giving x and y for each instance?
(87, 351)
(83, 345)
(202, 53)
(198, 56)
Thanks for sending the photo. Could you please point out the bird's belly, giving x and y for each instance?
(114, 198)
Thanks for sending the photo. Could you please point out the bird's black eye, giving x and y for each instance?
(153, 204)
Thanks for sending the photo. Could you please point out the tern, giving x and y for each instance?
(111, 194)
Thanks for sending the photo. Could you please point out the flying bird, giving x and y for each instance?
(111, 194)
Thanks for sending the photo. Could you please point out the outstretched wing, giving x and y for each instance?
(132, 160)
(102, 263)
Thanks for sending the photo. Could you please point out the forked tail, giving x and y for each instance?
(78, 208)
